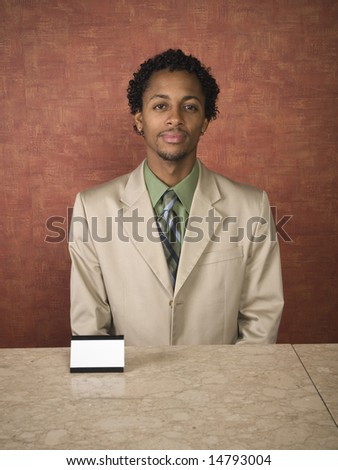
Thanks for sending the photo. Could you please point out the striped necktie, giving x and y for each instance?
(168, 226)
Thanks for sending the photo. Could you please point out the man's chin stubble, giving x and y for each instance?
(169, 157)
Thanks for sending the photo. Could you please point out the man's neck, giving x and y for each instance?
(171, 173)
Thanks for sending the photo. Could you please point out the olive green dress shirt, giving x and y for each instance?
(184, 190)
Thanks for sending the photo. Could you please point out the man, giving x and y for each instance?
(173, 253)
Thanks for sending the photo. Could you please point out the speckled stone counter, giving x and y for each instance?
(203, 397)
(321, 363)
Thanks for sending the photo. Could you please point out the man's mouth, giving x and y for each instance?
(173, 137)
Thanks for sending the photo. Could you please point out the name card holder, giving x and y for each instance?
(97, 354)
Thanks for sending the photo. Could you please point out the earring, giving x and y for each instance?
(140, 131)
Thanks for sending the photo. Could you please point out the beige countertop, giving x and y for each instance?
(194, 397)
(321, 363)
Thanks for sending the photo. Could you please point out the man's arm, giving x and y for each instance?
(90, 311)
(262, 295)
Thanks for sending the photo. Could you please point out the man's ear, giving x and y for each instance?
(204, 126)
(139, 122)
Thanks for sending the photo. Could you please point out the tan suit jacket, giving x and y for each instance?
(229, 285)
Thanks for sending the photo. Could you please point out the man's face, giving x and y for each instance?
(172, 117)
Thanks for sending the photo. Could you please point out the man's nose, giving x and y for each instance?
(175, 117)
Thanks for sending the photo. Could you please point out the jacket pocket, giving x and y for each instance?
(221, 255)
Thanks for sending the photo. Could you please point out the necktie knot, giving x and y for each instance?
(169, 198)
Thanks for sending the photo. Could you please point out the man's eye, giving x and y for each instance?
(190, 107)
(160, 106)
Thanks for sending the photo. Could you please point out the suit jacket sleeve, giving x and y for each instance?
(262, 301)
(90, 311)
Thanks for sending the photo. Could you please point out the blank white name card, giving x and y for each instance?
(97, 354)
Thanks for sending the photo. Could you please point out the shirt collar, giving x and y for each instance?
(185, 189)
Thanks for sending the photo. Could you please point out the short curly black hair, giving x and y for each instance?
(173, 60)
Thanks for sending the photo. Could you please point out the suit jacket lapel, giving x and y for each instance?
(139, 210)
(202, 228)
(139, 226)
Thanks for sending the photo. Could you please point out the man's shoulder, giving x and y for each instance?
(112, 188)
(227, 185)
(106, 186)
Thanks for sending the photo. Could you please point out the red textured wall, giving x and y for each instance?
(65, 126)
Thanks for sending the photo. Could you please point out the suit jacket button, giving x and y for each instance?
(171, 303)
